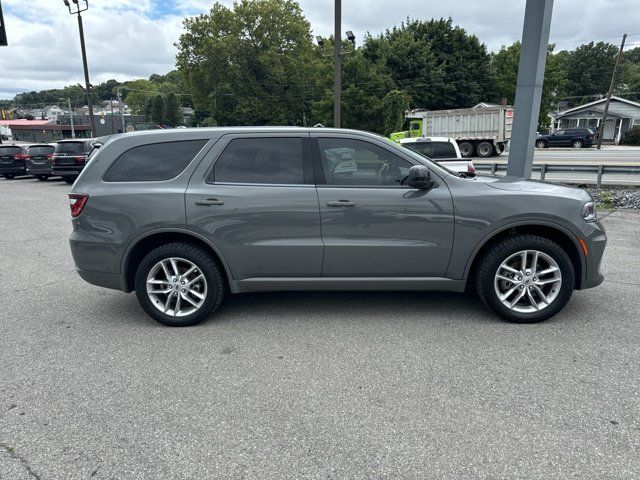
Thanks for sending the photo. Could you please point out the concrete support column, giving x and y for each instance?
(533, 57)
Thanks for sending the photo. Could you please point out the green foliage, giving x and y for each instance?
(393, 106)
(157, 110)
(172, 110)
(505, 65)
(588, 71)
(252, 64)
(631, 137)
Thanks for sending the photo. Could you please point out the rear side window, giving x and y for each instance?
(154, 162)
(443, 150)
(261, 160)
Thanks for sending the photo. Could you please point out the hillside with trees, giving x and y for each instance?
(256, 64)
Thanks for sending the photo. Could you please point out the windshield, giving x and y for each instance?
(41, 150)
(70, 147)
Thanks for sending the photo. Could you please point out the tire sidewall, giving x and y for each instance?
(500, 252)
(577, 144)
(541, 144)
(215, 286)
(487, 146)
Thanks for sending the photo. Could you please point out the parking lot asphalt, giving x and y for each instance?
(307, 385)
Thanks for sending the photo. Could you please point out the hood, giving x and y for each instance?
(516, 184)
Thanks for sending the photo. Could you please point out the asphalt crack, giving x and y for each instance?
(23, 461)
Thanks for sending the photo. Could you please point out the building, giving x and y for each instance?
(42, 131)
(623, 116)
(7, 126)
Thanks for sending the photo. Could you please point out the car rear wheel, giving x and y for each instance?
(179, 284)
(541, 144)
(9, 176)
(43, 178)
(485, 149)
(466, 149)
(525, 278)
(577, 144)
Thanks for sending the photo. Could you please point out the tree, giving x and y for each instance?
(172, 110)
(148, 108)
(157, 110)
(254, 64)
(393, 106)
(589, 68)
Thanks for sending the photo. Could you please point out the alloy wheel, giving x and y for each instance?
(528, 281)
(176, 286)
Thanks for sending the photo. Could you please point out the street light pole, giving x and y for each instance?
(337, 67)
(73, 130)
(76, 11)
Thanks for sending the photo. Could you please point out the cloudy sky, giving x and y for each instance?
(134, 38)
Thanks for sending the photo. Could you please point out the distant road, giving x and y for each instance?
(586, 156)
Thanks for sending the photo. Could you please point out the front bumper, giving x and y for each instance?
(596, 243)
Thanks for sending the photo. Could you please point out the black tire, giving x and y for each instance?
(577, 144)
(466, 149)
(499, 149)
(69, 180)
(484, 149)
(9, 176)
(199, 257)
(501, 250)
(43, 178)
(541, 144)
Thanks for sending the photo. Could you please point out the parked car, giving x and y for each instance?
(443, 150)
(184, 217)
(38, 160)
(568, 137)
(70, 158)
(12, 161)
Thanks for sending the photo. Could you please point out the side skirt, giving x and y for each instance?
(269, 284)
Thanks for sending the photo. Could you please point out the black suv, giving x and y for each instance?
(70, 158)
(12, 161)
(38, 161)
(568, 137)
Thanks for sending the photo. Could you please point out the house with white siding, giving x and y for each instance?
(623, 116)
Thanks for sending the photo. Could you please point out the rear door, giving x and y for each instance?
(372, 225)
(254, 198)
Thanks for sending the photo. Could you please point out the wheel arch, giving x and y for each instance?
(553, 231)
(143, 244)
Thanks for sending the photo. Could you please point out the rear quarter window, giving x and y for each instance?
(153, 162)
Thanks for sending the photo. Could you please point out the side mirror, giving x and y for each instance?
(420, 177)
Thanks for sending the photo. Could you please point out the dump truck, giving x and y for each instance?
(483, 130)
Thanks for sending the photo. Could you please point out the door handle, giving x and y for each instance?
(209, 201)
(341, 203)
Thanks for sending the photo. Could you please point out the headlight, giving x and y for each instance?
(589, 211)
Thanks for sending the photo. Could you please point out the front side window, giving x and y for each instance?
(276, 161)
(356, 162)
(153, 162)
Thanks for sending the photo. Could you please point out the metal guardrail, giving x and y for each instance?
(544, 168)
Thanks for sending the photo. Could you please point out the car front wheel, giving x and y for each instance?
(541, 144)
(525, 278)
(577, 144)
(179, 284)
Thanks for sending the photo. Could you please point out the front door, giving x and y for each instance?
(254, 198)
(372, 226)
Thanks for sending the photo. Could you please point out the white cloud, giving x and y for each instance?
(134, 38)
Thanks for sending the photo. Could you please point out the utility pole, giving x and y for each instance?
(337, 66)
(73, 130)
(75, 10)
(121, 103)
(613, 83)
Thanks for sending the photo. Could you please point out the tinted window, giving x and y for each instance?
(154, 162)
(356, 162)
(261, 160)
(10, 150)
(41, 150)
(423, 148)
(71, 147)
(443, 150)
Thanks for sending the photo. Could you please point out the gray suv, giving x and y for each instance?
(185, 217)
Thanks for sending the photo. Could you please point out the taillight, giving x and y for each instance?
(50, 156)
(470, 168)
(20, 156)
(77, 201)
(81, 159)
